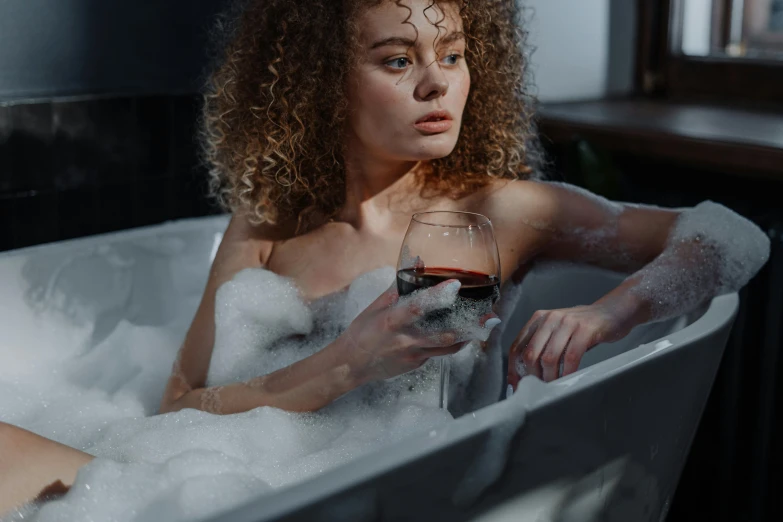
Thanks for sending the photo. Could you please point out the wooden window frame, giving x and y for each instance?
(662, 73)
(757, 27)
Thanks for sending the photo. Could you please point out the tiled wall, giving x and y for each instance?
(75, 168)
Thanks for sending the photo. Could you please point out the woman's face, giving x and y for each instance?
(400, 79)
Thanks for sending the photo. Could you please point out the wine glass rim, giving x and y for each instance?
(417, 218)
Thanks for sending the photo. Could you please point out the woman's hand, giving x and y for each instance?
(385, 340)
(552, 337)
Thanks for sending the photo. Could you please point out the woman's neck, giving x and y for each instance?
(370, 184)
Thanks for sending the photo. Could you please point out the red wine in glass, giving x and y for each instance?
(443, 245)
(476, 286)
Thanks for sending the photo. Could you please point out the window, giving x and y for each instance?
(712, 50)
(750, 29)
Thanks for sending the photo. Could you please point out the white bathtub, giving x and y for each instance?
(606, 443)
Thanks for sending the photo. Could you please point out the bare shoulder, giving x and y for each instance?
(246, 245)
(519, 201)
(549, 205)
(522, 213)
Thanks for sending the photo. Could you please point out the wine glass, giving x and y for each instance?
(442, 245)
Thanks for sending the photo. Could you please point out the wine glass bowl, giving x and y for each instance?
(443, 245)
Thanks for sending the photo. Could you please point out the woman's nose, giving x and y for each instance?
(434, 83)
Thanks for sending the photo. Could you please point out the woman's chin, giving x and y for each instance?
(433, 151)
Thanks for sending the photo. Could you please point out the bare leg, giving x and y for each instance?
(31, 465)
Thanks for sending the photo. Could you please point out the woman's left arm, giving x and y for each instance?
(677, 259)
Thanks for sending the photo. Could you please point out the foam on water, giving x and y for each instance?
(98, 393)
(711, 251)
(252, 311)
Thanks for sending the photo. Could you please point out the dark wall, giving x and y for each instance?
(86, 47)
(98, 110)
(69, 169)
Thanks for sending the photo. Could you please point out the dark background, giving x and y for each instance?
(98, 111)
(98, 119)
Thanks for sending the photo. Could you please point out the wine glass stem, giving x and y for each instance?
(445, 370)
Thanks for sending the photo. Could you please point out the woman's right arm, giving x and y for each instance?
(382, 342)
(243, 246)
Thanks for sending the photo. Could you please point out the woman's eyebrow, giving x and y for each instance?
(407, 42)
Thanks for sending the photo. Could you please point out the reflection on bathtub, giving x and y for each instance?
(585, 499)
(215, 245)
(491, 459)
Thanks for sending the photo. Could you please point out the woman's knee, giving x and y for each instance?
(16, 444)
(11, 437)
(31, 466)
(6, 430)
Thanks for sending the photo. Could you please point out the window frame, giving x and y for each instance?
(663, 73)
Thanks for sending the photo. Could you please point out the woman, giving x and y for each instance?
(326, 127)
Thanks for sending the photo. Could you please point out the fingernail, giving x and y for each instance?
(452, 288)
(509, 391)
(491, 323)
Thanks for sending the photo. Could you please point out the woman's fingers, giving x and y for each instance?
(386, 299)
(444, 350)
(440, 296)
(449, 338)
(439, 338)
(517, 348)
(531, 354)
(553, 351)
(489, 320)
(524, 336)
(553, 342)
(565, 344)
(516, 371)
(410, 310)
(580, 342)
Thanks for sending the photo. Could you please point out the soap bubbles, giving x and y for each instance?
(190, 464)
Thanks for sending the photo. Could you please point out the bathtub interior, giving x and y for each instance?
(155, 276)
(76, 293)
(148, 275)
(553, 286)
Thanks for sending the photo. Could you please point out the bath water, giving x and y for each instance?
(95, 379)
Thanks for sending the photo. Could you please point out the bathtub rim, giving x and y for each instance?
(532, 393)
(188, 224)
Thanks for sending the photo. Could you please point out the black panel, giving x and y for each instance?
(75, 168)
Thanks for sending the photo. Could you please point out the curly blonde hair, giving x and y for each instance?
(274, 109)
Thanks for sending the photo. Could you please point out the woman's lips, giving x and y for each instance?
(433, 127)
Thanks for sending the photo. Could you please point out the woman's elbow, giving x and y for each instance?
(172, 402)
(209, 400)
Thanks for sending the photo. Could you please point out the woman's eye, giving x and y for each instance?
(396, 63)
(402, 62)
(454, 57)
